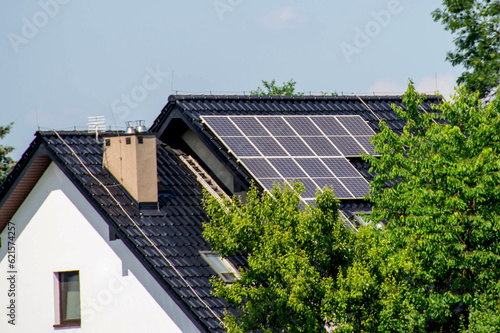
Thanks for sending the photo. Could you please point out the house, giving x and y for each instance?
(104, 233)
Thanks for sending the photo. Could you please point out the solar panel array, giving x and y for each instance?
(307, 149)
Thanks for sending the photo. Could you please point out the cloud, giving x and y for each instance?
(445, 85)
(386, 87)
(283, 18)
(427, 85)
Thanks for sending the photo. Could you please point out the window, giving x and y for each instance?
(363, 218)
(226, 271)
(68, 298)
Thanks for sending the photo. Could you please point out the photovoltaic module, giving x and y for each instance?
(312, 150)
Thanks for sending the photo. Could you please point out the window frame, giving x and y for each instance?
(59, 294)
(362, 217)
(230, 267)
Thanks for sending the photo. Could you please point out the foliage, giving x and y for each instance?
(476, 25)
(442, 257)
(6, 163)
(435, 266)
(292, 257)
(270, 88)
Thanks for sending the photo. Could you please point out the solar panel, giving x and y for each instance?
(347, 145)
(329, 126)
(268, 146)
(260, 168)
(357, 186)
(303, 126)
(314, 167)
(338, 189)
(321, 146)
(277, 126)
(269, 184)
(340, 167)
(356, 126)
(287, 167)
(309, 187)
(365, 142)
(308, 149)
(240, 146)
(295, 146)
(249, 126)
(310, 202)
(222, 126)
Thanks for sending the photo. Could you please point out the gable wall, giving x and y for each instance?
(192, 140)
(58, 230)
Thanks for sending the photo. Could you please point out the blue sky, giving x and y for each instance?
(64, 60)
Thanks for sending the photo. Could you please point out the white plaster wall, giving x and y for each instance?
(58, 230)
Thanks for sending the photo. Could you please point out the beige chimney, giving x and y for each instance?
(131, 158)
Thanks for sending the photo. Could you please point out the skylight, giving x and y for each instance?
(226, 271)
(362, 218)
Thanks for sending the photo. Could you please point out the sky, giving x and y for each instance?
(62, 61)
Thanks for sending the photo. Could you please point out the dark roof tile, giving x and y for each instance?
(177, 233)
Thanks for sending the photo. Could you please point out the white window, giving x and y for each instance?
(362, 218)
(226, 271)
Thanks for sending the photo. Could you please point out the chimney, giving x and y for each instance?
(131, 158)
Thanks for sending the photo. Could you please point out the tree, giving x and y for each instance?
(476, 25)
(434, 267)
(288, 89)
(6, 163)
(443, 259)
(292, 257)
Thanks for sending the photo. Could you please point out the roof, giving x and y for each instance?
(370, 108)
(176, 230)
(192, 108)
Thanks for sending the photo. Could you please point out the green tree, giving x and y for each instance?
(6, 163)
(292, 257)
(434, 267)
(442, 271)
(270, 88)
(476, 27)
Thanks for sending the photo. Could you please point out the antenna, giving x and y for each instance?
(96, 124)
(436, 75)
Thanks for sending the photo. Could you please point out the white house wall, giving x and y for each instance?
(58, 230)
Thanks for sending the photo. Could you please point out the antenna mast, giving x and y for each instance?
(96, 124)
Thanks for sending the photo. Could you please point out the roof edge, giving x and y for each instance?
(16, 187)
(174, 98)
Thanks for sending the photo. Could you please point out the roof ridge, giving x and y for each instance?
(173, 98)
(46, 133)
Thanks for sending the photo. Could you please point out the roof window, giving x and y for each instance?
(226, 271)
(363, 218)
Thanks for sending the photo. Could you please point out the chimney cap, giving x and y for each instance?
(140, 126)
(130, 127)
